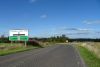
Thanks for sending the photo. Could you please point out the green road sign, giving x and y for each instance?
(24, 38)
(18, 38)
(13, 38)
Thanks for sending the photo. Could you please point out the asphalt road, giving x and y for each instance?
(54, 56)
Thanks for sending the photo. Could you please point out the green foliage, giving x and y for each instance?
(90, 59)
(54, 39)
(4, 40)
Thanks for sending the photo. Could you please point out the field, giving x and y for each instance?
(93, 47)
(90, 52)
(7, 48)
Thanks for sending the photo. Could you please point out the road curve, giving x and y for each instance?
(54, 56)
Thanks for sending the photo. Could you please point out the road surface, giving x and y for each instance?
(54, 56)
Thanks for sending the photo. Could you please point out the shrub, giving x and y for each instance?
(33, 43)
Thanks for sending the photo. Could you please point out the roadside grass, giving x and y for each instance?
(93, 47)
(90, 58)
(14, 48)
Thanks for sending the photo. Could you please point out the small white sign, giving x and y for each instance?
(18, 32)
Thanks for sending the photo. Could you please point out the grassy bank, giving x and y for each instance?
(90, 58)
(14, 48)
(93, 47)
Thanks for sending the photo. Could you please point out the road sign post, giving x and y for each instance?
(25, 44)
(18, 35)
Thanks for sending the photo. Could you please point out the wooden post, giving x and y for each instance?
(11, 42)
(25, 44)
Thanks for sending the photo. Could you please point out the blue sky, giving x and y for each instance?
(45, 18)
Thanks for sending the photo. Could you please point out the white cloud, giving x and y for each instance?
(71, 29)
(76, 29)
(98, 32)
(78, 33)
(43, 16)
(83, 29)
(91, 21)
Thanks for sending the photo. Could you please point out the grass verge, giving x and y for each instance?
(16, 50)
(90, 59)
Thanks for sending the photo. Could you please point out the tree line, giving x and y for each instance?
(58, 39)
(62, 38)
